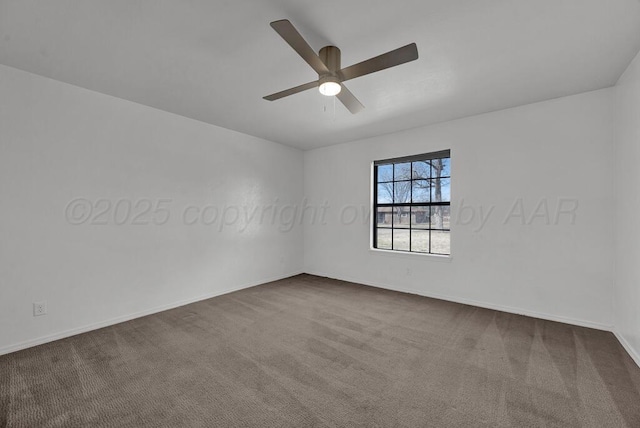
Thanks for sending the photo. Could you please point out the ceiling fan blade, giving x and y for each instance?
(387, 60)
(349, 100)
(289, 33)
(291, 91)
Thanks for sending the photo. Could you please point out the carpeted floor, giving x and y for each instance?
(309, 351)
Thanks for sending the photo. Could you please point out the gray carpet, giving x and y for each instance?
(309, 351)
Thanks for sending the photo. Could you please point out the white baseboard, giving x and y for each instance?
(94, 326)
(509, 309)
(627, 347)
(106, 323)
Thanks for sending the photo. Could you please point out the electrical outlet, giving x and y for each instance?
(409, 272)
(39, 308)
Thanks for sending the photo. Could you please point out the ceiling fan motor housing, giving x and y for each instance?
(330, 56)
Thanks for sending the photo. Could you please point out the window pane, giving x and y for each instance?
(440, 242)
(384, 238)
(401, 239)
(420, 241)
(420, 192)
(402, 192)
(383, 217)
(401, 218)
(385, 173)
(420, 217)
(438, 168)
(441, 190)
(385, 193)
(421, 170)
(446, 167)
(402, 171)
(440, 217)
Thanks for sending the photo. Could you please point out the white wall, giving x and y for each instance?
(549, 151)
(59, 142)
(627, 180)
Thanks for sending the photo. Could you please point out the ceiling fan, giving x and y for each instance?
(331, 76)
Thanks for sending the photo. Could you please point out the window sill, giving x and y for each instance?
(432, 257)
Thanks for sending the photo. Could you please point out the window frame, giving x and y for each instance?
(425, 157)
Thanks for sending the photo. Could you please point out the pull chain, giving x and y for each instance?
(324, 108)
(334, 108)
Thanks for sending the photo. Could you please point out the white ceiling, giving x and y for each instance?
(215, 60)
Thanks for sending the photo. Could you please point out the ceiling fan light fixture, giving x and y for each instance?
(329, 86)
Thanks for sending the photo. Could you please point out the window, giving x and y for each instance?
(412, 203)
